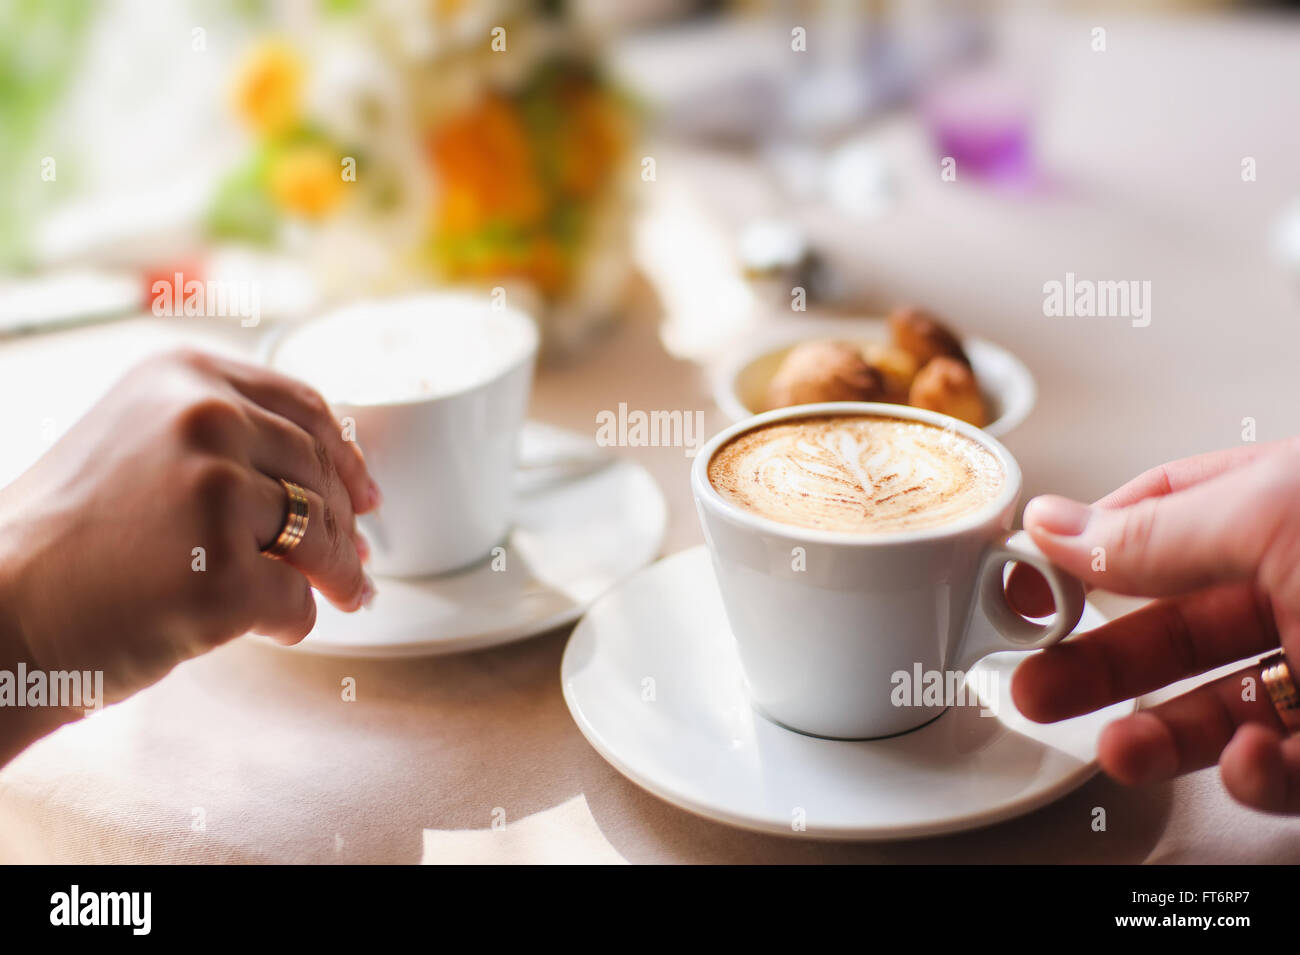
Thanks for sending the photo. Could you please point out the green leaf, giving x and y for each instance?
(241, 208)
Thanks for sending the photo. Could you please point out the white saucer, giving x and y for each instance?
(700, 746)
(574, 537)
(740, 383)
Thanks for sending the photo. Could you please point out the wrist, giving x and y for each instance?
(21, 722)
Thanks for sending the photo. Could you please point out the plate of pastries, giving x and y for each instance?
(911, 357)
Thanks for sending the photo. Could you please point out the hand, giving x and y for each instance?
(1217, 539)
(134, 543)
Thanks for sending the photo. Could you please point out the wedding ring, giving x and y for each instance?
(1281, 690)
(295, 522)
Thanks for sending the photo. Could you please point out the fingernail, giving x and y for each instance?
(1057, 515)
(363, 546)
(367, 591)
(375, 496)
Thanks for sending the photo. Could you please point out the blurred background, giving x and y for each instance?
(681, 163)
(662, 183)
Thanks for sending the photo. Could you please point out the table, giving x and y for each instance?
(251, 755)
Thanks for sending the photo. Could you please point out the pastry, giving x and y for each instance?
(896, 367)
(824, 371)
(947, 386)
(924, 337)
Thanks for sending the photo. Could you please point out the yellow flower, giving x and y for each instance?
(268, 88)
(306, 180)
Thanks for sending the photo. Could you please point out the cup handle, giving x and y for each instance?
(995, 626)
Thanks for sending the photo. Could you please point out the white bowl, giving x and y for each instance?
(740, 381)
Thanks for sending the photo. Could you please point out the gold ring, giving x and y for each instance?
(1281, 690)
(295, 522)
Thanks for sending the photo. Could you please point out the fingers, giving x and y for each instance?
(327, 553)
(1213, 532)
(1261, 769)
(1187, 472)
(1230, 721)
(1188, 732)
(1226, 519)
(284, 608)
(281, 449)
(1161, 643)
(1027, 591)
(301, 404)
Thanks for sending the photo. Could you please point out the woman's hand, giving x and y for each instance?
(1217, 539)
(135, 542)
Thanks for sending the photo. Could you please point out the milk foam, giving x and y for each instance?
(405, 349)
(858, 474)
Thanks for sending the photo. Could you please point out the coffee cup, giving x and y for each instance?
(885, 557)
(434, 388)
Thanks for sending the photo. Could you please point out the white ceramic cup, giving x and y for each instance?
(445, 463)
(822, 631)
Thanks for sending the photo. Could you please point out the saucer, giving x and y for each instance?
(740, 384)
(583, 521)
(652, 680)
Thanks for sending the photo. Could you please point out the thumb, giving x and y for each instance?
(1213, 532)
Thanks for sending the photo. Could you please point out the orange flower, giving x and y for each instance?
(268, 88)
(485, 167)
(306, 180)
(459, 211)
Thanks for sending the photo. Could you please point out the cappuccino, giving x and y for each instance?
(858, 474)
(406, 349)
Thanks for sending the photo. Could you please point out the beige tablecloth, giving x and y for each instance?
(251, 754)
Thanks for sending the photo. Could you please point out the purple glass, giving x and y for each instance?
(985, 124)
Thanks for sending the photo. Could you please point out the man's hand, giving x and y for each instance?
(1216, 539)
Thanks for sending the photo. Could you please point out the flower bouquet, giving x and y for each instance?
(474, 144)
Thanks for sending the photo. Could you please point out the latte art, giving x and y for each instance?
(858, 474)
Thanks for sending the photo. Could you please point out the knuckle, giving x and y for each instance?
(1135, 532)
(1158, 478)
(313, 402)
(312, 450)
(333, 529)
(325, 462)
(1180, 646)
(216, 485)
(212, 422)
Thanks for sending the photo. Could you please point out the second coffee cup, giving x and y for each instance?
(435, 390)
